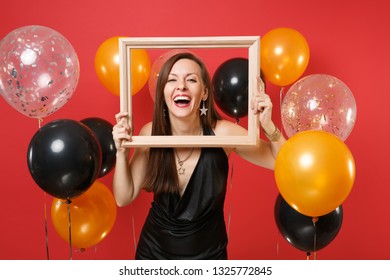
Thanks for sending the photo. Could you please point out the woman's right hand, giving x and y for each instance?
(121, 131)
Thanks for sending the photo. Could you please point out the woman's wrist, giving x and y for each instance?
(122, 152)
(274, 136)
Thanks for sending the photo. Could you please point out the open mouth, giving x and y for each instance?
(181, 100)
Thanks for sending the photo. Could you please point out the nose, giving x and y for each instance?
(181, 86)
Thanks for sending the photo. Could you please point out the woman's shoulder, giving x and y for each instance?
(228, 128)
(146, 130)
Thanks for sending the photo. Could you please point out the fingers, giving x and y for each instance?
(120, 116)
(260, 85)
(260, 103)
(260, 96)
(121, 130)
(121, 120)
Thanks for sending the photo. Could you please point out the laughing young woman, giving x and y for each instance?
(186, 219)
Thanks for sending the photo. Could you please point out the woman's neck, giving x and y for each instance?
(186, 126)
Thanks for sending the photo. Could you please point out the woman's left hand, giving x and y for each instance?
(261, 104)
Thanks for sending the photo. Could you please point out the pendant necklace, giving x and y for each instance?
(181, 169)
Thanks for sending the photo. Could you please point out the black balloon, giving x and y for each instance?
(230, 83)
(301, 231)
(103, 132)
(64, 158)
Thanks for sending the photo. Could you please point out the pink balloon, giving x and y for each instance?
(39, 70)
(156, 67)
(319, 102)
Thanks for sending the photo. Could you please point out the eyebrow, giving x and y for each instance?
(189, 74)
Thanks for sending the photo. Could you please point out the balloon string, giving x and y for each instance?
(133, 228)
(45, 210)
(315, 219)
(46, 231)
(68, 202)
(280, 105)
(231, 200)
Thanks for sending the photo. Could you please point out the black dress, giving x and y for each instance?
(190, 227)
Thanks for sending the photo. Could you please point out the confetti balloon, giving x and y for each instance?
(39, 70)
(319, 102)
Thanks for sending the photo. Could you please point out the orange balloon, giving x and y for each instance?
(92, 216)
(107, 66)
(284, 55)
(314, 172)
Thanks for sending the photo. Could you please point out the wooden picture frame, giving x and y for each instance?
(250, 42)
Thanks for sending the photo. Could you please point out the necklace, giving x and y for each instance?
(181, 169)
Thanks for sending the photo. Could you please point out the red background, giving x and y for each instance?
(349, 41)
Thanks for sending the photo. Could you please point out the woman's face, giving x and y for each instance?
(184, 88)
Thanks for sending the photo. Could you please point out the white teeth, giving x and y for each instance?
(181, 98)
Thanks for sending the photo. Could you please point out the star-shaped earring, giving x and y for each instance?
(203, 110)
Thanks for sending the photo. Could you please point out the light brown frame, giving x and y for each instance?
(250, 42)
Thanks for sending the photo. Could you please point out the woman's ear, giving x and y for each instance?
(205, 94)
